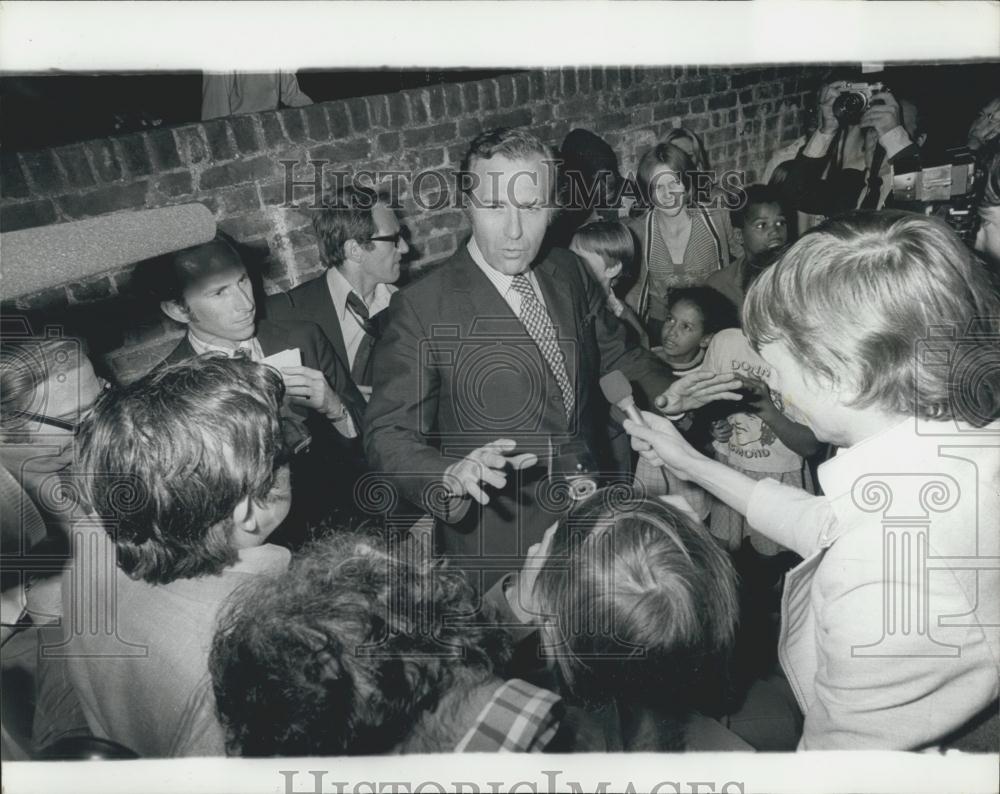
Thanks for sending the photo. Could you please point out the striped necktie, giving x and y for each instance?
(539, 326)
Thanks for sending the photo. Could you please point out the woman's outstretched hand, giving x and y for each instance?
(662, 445)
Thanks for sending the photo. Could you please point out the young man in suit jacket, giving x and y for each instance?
(207, 288)
(486, 376)
(361, 244)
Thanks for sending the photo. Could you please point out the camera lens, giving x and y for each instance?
(849, 107)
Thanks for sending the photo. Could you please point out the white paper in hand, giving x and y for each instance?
(292, 357)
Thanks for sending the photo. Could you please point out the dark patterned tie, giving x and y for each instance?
(361, 368)
(539, 326)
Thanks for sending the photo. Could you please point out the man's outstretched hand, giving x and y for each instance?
(698, 389)
(485, 466)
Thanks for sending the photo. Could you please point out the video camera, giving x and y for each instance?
(949, 190)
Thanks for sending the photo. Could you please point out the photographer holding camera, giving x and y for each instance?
(864, 133)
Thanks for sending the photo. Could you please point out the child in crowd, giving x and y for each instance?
(693, 316)
(757, 438)
(605, 247)
(761, 226)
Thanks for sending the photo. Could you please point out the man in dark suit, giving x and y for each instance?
(361, 244)
(486, 375)
(206, 287)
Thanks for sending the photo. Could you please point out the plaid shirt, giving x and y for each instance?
(519, 718)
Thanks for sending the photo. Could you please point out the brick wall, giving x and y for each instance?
(233, 165)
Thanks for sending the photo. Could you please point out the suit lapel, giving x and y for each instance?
(268, 334)
(316, 302)
(182, 352)
(486, 307)
(559, 302)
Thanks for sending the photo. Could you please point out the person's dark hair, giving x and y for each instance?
(513, 144)
(717, 311)
(782, 171)
(856, 296)
(191, 440)
(589, 175)
(700, 156)
(343, 653)
(611, 240)
(347, 217)
(755, 196)
(639, 604)
(589, 153)
(663, 154)
(166, 277)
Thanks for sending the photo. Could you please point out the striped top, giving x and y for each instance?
(701, 259)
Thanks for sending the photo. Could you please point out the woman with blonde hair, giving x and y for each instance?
(681, 243)
(881, 331)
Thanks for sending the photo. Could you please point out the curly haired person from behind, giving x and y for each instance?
(356, 650)
(880, 329)
(198, 448)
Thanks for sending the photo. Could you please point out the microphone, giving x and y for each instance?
(47, 256)
(618, 391)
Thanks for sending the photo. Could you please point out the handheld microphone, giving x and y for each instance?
(618, 391)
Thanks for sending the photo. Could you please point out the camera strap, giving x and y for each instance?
(873, 182)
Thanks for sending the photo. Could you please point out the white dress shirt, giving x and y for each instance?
(350, 327)
(250, 346)
(503, 282)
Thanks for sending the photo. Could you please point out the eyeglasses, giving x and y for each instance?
(401, 234)
(62, 424)
(51, 421)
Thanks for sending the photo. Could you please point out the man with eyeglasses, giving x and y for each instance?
(361, 244)
(46, 385)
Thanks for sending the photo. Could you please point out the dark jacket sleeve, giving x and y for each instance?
(807, 190)
(404, 401)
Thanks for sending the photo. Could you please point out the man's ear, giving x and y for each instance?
(175, 311)
(738, 235)
(921, 139)
(244, 519)
(352, 250)
(615, 271)
(705, 340)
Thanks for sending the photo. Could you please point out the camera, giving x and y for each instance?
(853, 101)
(948, 190)
(491, 381)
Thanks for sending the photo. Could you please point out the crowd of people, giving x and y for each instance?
(356, 519)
